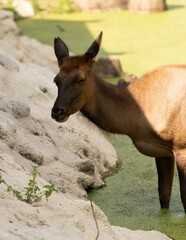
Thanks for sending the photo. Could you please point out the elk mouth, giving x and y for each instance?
(62, 119)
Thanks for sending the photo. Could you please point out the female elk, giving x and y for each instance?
(151, 110)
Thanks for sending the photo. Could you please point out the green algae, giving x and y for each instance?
(130, 198)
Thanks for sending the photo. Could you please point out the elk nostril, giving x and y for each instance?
(59, 111)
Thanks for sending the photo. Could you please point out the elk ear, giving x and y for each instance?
(60, 49)
(94, 48)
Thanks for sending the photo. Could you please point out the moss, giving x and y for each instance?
(142, 42)
(131, 197)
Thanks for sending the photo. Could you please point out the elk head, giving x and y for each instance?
(74, 81)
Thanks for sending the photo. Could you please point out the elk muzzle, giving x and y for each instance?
(60, 114)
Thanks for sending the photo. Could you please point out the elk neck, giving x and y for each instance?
(111, 107)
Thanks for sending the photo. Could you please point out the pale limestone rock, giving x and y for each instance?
(23, 48)
(23, 8)
(127, 234)
(8, 63)
(59, 218)
(7, 25)
(73, 155)
(40, 139)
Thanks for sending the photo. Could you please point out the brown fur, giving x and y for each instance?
(151, 111)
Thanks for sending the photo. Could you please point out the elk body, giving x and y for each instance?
(151, 110)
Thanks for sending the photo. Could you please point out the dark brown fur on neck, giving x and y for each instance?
(151, 110)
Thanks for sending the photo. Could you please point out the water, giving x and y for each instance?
(130, 198)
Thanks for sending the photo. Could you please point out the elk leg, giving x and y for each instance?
(181, 166)
(165, 169)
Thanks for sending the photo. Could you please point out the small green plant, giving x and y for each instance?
(32, 192)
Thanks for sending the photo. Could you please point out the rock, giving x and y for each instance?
(147, 6)
(100, 4)
(108, 67)
(126, 79)
(7, 127)
(4, 14)
(73, 156)
(41, 54)
(8, 63)
(18, 109)
(7, 25)
(23, 8)
(124, 233)
(87, 167)
(60, 217)
(31, 154)
(37, 137)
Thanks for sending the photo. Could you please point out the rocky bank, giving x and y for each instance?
(73, 156)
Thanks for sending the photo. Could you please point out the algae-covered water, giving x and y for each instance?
(130, 198)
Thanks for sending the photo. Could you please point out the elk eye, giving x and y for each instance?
(81, 82)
